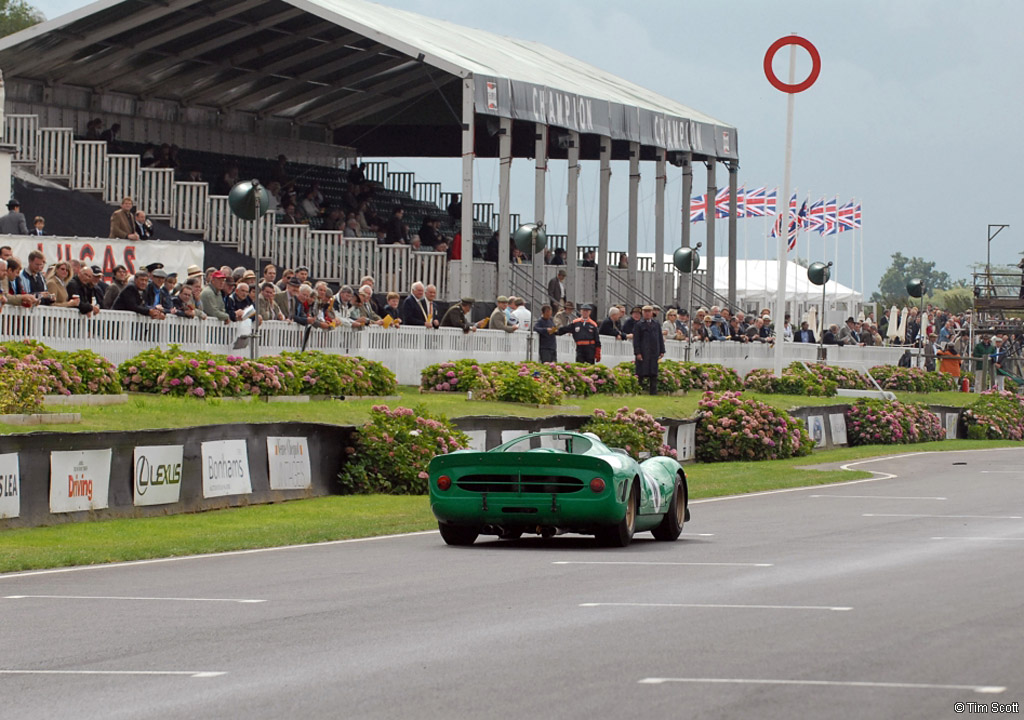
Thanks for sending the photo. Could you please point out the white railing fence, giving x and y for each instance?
(23, 132)
(122, 178)
(89, 165)
(190, 206)
(56, 152)
(156, 195)
(119, 336)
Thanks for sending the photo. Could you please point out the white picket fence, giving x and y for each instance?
(119, 336)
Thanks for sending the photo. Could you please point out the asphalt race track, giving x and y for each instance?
(898, 597)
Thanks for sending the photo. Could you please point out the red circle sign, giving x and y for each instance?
(770, 56)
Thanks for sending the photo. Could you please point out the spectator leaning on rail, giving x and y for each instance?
(13, 223)
(566, 315)
(56, 284)
(236, 303)
(122, 222)
(117, 284)
(132, 298)
(456, 316)
(266, 307)
(212, 298)
(32, 280)
(11, 286)
(498, 319)
(90, 298)
(611, 326)
(414, 310)
(288, 298)
(391, 315)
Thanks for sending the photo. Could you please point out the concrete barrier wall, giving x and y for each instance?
(326, 452)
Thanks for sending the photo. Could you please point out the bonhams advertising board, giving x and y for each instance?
(225, 468)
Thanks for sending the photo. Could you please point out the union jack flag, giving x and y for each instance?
(794, 222)
(831, 217)
(698, 208)
(856, 216)
(815, 216)
(769, 202)
(754, 203)
(722, 203)
(845, 217)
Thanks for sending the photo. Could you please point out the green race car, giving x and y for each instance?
(554, 482)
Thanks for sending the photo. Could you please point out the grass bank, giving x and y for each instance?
(337, 518)
(167, 412)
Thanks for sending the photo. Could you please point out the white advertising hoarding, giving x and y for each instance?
(10, 486)
(837, 421)
(289, 463)
(157, 474)
(79, 480)
(816, 429)
(225, 468)
(110, 253)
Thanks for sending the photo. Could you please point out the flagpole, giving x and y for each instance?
(863, 289)
(782, 246)
(853, 257)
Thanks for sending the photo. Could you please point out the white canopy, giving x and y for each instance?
(757, 278)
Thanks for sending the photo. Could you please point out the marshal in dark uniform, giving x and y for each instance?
(586, 336)
(649, 347)
(456, 316)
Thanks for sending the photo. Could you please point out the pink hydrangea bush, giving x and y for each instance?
(730, 427)
(635, 431)
(893, 377)
(877, 422)
(996, 415)
(392, 450)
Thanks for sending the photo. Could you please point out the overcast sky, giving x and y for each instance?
(916, 112)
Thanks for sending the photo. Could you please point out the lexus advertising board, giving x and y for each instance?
(225, 468)
(79, 480)
(157, 474)
(289, 463)
(10, 486)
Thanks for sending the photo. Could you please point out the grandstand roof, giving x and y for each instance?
(341, 63)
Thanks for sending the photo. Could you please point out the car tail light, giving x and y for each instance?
(444, 482)
(597, 485)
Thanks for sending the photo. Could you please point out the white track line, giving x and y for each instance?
(640, 562)
(185, 673)
(877, 497)
(990, 689)
(715, 606)
(227, 553)
(146, 599)
(1018, 539)
(949, 517)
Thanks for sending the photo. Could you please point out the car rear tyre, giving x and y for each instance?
(458, 534)
(621, 533)
(672, 524)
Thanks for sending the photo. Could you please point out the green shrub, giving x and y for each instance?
(525, 386)
(636, 432)
(392, 450)
(730, 427)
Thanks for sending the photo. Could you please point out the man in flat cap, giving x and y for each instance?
(586, 336)
(648, 347)
(456, 316)
(499, 320)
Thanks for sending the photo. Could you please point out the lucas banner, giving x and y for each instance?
(108, 254)
(10, 486)
(289, 463)
(79, 480)
(225, 468)
(158, 474)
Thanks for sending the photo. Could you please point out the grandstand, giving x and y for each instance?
(327, 82)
